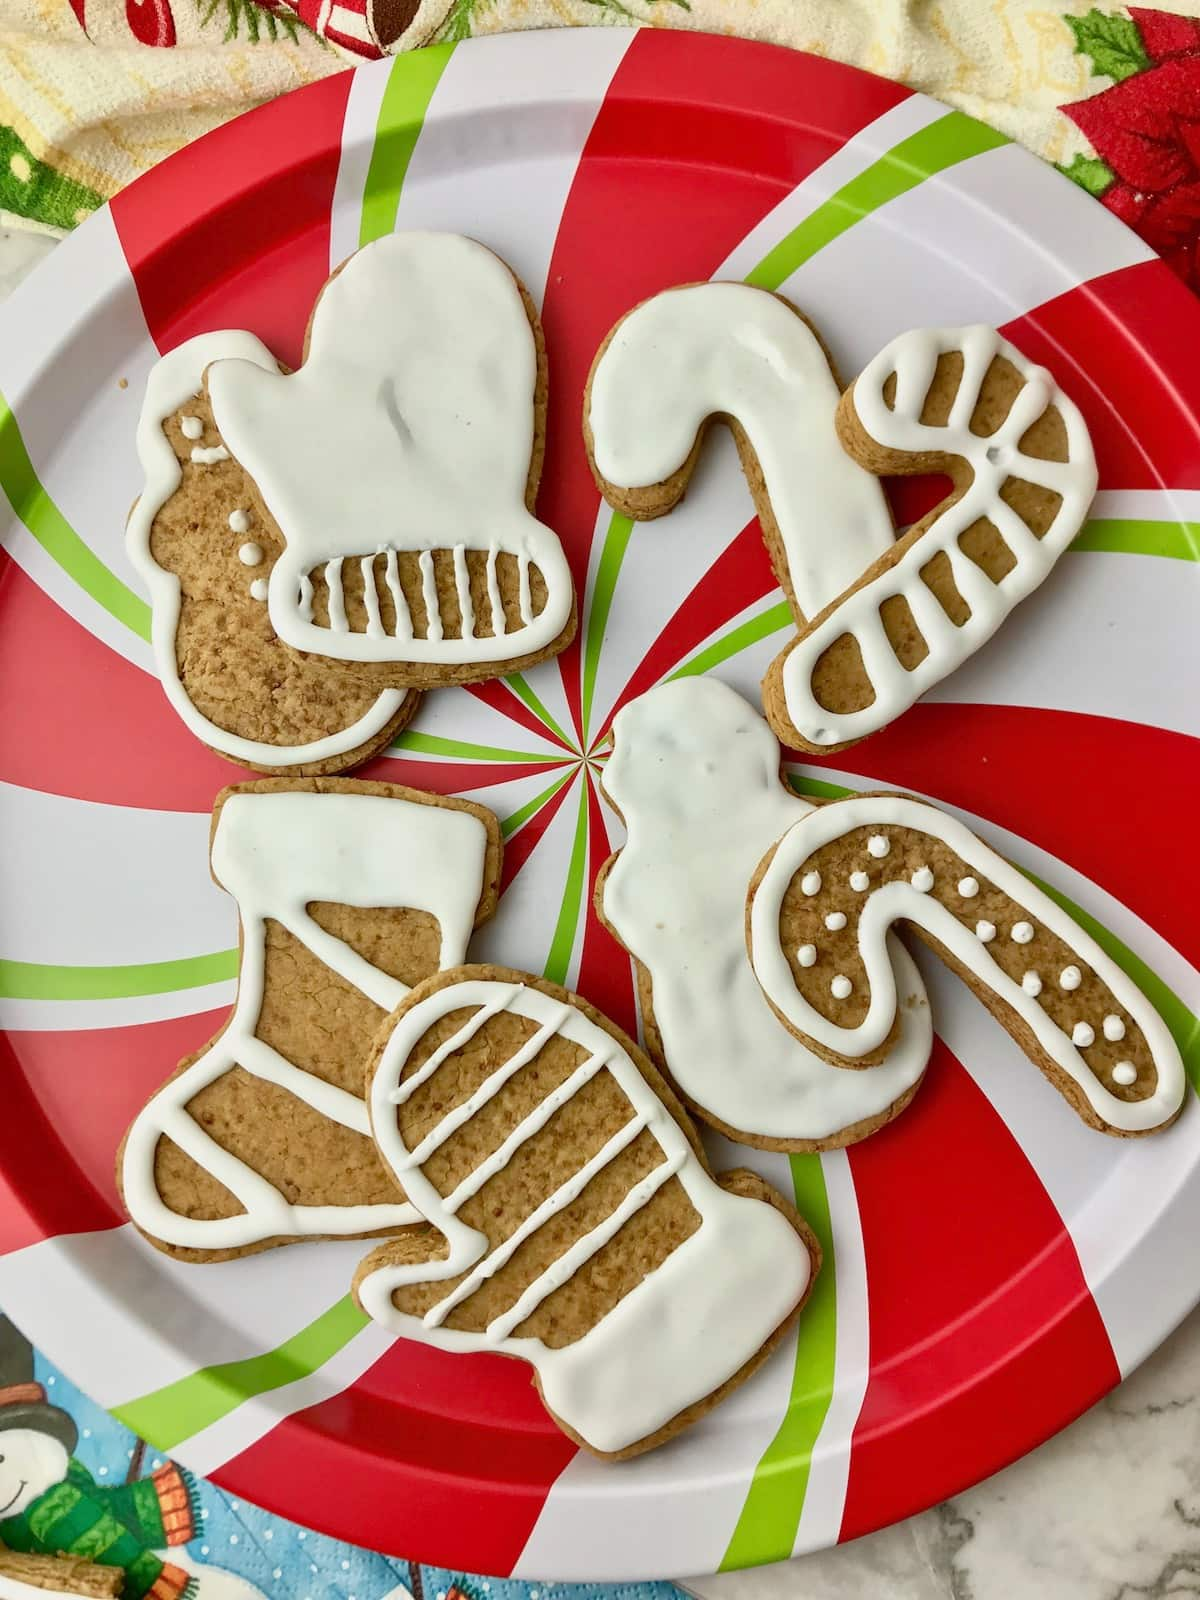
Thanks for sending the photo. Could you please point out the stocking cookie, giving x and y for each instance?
(962, 401)
(399, 466)
(203, 543)
(725, 351)
(695, 775)
(571, 1217)
(825, 897)
(347, 894)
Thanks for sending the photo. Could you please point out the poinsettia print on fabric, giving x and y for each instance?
(1145, 129)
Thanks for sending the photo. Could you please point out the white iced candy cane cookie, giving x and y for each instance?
(992, 460)
(1103, 1042)
(408, 429)
(737, 1277)
(731, 351)
(276, 852)
(695, 774)
(172, 382)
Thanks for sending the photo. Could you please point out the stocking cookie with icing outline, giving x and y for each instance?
(965, 402)
(825, 897)
(348, 892)
(572, 1219)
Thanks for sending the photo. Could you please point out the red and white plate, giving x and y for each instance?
(994, 1266)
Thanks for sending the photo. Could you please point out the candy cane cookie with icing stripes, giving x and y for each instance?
(822, 903)
(571, 1218)
(965, 402)
(347, 893)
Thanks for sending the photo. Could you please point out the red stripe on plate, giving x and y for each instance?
(468, 1476)
(980, 1315)
(521, 846)
(1111, 799)
(1111, 343)
(605, 970)
(87, 703)
(717, 129)
(233, 232)
(497, 694)
(455, 777)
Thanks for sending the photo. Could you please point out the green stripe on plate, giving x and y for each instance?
(432, 744)
(518, 818)
(766, 1529)
(616, 542)
(406, 98)
(31, 980)
(944, 143)
(818, 788)
(178, 1411)
(736, 640)
(1134, 536)
(559, 959)
(57, 537)
(523, 692)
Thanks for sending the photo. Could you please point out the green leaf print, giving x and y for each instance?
(1112, 41)
(1090, 173)
(31, 188)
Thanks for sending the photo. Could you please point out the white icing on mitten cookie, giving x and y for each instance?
(573, 1221)
(944, 588)
(841, 877)
(745, 356)
(408, 431)
(695, 774)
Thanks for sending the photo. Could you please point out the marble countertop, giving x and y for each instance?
(1107, 1510)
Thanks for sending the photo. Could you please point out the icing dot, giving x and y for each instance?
(239, 521)
(204, 457)
(968, 888)
(1070, 978)
(1125, 1073)
(986, 931)
(860, 881)
(1032, 984)
(810, 883)
(1114, 1028)
(922, 880)
(251, 554)
(877, 846)
(1083, 1034)
(1022, 932)
(258, 589)
(835, 921)
(191, 427)
(840, 987)
(807, 955)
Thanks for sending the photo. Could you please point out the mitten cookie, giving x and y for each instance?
(203, 543)
(962, 401)
(728, 352)
(824, 898)
(571, 1217)
(695, 775)
(347, 893)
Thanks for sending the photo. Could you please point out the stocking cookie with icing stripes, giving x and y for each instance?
(819, 911)
(348, 893)
(695, 775)
(965, 402)
(571, 1217)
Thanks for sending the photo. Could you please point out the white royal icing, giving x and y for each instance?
(835, 921)
(409, 427)
(250, 554)
(1032, 984)
(191, 427)
(695, 774)
(1022, 932)
(258, 589)
(173, 380)
(860, 882)
(1070, 978)
(807, 955)
(922, 880)
(239, 521)
(992, 459)
(736, 1277)
(1114, 1028)
(1124, 1073)
(729, 349)
(896, 900)
(968, 888)
(878, 846)
(275, 853)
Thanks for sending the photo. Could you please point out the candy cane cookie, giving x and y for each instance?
(571, 1218)
(825, 897)
(965, 402)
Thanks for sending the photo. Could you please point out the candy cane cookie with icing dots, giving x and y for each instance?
(1073, 1010)
(571, 1218)
(347, 893)
(399, 465)
(728, 352)
(962, 401)
(695, 775)
(224, 670)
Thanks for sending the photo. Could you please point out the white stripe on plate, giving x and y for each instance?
(60, 1016)
(458, 715)
(367, 88)
(502, 139)
(136, 882)
(1148, 505)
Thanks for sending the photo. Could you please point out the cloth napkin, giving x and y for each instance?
(94, 92)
